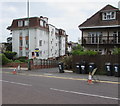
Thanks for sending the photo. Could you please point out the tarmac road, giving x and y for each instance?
(50, 87)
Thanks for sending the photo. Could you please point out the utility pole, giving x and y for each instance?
(28, 28)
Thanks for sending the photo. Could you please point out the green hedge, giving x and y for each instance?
(4, 59)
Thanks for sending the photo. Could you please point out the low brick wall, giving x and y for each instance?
(41, 66)
(24, 65)
(33, 66)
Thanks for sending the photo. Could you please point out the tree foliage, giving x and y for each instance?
(78, 47)
(116, 51)
(88, 52)
(79, 50)
(9, 54)
(4, 60)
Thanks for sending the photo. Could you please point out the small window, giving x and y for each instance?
(26, 23)
(56, 44)
(20, 53)
(20, 33)
(20, 41)
(40, 43)
(27, 53)
(20, 23)
(41, 23)
(33, 53)
(108, 15)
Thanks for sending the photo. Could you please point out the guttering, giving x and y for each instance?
(99, 27)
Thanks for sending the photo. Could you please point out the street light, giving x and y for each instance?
(28, 28)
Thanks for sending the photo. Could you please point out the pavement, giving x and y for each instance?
(68, 74)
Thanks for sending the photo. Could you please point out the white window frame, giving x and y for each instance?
(26, 22)
(40, 42)
(93, 37)
(20, 53)
(108, 15)
(20, 23)
(41, 23)
(115, 36)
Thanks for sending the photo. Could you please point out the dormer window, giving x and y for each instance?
(108, 15)
(41, 23)
(26, 22)
(20, 23)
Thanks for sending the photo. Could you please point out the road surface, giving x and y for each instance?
(55, 88)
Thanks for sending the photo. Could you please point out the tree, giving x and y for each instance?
(10, 55)
(9, 47)
(4, 60)
(78, 47)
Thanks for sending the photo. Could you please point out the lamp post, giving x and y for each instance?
(28, 28)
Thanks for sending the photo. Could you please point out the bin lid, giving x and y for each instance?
(107, 63)
(78, 63)
(91, 63)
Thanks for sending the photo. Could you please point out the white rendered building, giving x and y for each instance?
(34, 37)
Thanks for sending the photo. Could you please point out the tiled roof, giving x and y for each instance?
(96, 19)
(34, 22)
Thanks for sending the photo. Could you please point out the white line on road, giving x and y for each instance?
(16, 83)
(80, 93)
(47, 74)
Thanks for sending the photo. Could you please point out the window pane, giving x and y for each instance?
(20, 23)
(26, 22)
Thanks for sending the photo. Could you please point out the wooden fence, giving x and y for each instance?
(99, 60)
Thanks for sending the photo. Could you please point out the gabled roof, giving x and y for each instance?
(96, 20)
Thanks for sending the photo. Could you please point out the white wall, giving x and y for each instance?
(50, 42)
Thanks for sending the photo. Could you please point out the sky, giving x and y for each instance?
(64, 14)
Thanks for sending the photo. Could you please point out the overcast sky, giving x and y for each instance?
(64, 14)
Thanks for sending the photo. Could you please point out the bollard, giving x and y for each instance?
(14, 71)
(90, 78)
(29, 65)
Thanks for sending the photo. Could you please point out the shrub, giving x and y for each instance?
(78, 47)
(17, 61)
(9, 54)
(5, 60)
(116, 51)
(67, 62)
(88, 52)
(23, 57)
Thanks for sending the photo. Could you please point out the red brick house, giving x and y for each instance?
(101, 32)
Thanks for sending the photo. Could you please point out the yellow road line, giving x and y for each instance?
(70, 78)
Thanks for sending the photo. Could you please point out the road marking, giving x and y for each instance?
(16, 83)
(48, 76)
(80, 93)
